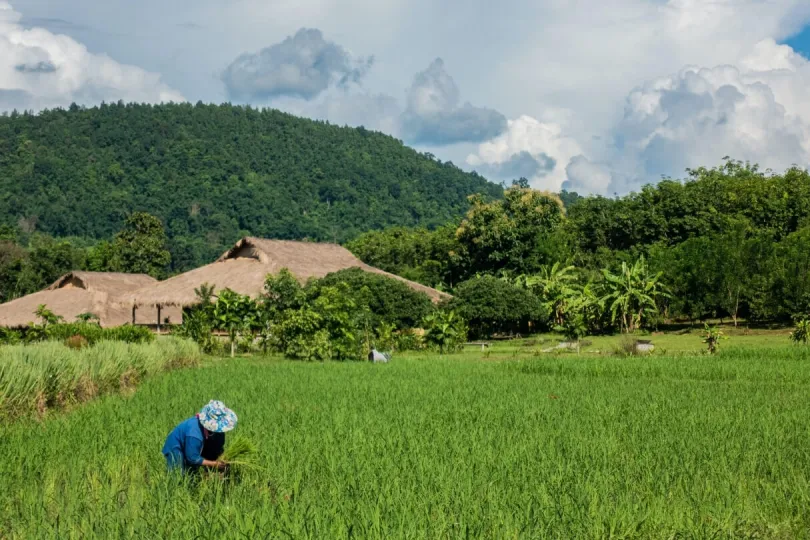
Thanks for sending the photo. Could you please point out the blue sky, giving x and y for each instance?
(800, 42)
(595, 96)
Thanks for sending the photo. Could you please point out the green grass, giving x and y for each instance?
(36, 379)
(425, 447)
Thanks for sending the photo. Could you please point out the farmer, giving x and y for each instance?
(200, 440)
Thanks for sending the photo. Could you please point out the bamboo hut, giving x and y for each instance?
(243, 269)
(76, 293)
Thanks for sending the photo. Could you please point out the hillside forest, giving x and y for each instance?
(162, 189)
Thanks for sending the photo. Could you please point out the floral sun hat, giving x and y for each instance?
(216, 417)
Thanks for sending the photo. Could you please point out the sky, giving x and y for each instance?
(585, 95)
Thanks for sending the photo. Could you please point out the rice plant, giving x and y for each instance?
(575, 446)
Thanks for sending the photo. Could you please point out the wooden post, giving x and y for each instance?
(133, 314)
(158, 324)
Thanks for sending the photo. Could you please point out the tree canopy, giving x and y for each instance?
(214, 173)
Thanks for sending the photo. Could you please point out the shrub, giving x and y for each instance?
(300, 335)
(573, 326)
(410, 339)
(388, 299)
(9, 336)
(197, 327)
(712, 338)
(801, 333)
(491, 305)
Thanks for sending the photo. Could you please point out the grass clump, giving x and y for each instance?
(40, 377)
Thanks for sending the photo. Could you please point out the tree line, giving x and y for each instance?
(726, 242)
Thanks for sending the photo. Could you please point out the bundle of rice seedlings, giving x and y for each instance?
(241, 454)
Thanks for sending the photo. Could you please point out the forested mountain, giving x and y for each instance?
(212, 173)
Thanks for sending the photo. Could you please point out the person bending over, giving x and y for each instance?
(200, 440)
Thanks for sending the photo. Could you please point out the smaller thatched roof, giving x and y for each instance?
(84, 292)
(114, 283)
(244, 267)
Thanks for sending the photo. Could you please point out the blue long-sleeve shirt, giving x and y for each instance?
(189, 440)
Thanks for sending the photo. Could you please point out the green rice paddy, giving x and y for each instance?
(499, 445)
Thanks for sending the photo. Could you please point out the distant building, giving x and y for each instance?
(77, 293)
(244, 268)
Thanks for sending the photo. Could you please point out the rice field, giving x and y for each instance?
(566, 446)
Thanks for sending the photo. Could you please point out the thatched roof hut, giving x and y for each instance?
(76, 293)
(244, 267)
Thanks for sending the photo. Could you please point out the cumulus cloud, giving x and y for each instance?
(756, 111)
(520, 165)
(303, 65)
(433, 114)
(545, 142)
(39, 69)
(585, 176)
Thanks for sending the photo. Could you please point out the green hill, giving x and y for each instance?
(215, 172)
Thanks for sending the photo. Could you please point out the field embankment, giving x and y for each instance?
(570, 446)
(45, 376)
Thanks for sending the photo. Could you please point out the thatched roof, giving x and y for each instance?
(243, 269)
(84, 292)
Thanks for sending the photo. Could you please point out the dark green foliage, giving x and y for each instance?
(433, 258)
(329, 325)
(674, 211)
(491, 305)
(389, 300)
(140, 247)
(282, 292)
(802, 332)
(511, 235)
(213, 173)
(9, 336)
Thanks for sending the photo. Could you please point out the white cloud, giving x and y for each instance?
(39, 69)
(603, 80)
(756, 112)
(303, 65)
(585, 176)
(541, 140)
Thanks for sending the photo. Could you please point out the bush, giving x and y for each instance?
(801, 333)
(409, 340)
(197, 327)
(491, 305)
(388, 299)
(300, 335)
(9, 336)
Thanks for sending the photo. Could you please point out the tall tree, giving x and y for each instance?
(140, 247)
(511, 234)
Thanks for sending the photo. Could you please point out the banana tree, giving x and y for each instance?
(233, 313)
(633, 294)
(445, 330)
(557, 288)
